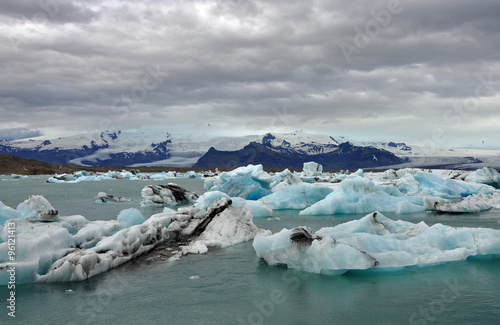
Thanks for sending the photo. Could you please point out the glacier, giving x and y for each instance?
(73, 248)
(374, 242)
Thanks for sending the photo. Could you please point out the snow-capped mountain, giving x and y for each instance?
(129, 148)
(140, 148)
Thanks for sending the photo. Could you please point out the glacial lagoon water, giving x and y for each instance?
(232, 286)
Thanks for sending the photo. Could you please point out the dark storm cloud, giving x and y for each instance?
(248, 66)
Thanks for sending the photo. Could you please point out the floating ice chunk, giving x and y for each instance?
(171, 194)
(103, 197)
(472, 203)
(486, 176)
(428, 184)
(374, 242)
(283, 179)
(36, 206)
(130, 217)
(38, 245)
(250, 182)
(207, 200)
(312, 168)
(63, 178)
(232, 226)
(360, 195)
(17, 176)
(259, 209)
(7, 213)
(298, 196)
(76, 249)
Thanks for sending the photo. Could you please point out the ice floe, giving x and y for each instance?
(73, 248)
(374, 242)
(103, 197)
(170, 194)
(358, 194)
(472, 203)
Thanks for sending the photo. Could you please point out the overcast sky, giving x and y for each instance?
(412, 71)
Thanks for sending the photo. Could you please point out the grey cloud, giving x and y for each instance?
(239, 61)
(52, 11)
(18, 133)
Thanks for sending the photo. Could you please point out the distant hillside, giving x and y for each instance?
(343, 156)
(15, 165)
(128, 148)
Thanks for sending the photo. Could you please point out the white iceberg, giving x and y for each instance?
(74, 248)
(130, 217)
(207, 200)
(358, 194)
(312, 169)
(250, 182)
(428, 184)
(486, 176)
(170, 194)
(7, 213)
(103, 197)
(17, 176)
(37, 207)
(297, 196)
(472, 203)
(374, 242)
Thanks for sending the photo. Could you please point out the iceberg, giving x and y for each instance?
(207, 200)
(357, 194)
(103, 197)
(130, 217)
(17, 176)
(428, 184)
(74, 248)
(283, 179)
(312, 169)
(374, 242)
(37, 207)
(297, 196)
(6, 213)
(170, 194)
(250, 182)
(485, 175)
(472, 203)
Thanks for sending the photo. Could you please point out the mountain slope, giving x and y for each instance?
(154, 149)
(345, 156)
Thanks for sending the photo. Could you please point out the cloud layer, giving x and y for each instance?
(369, 70)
